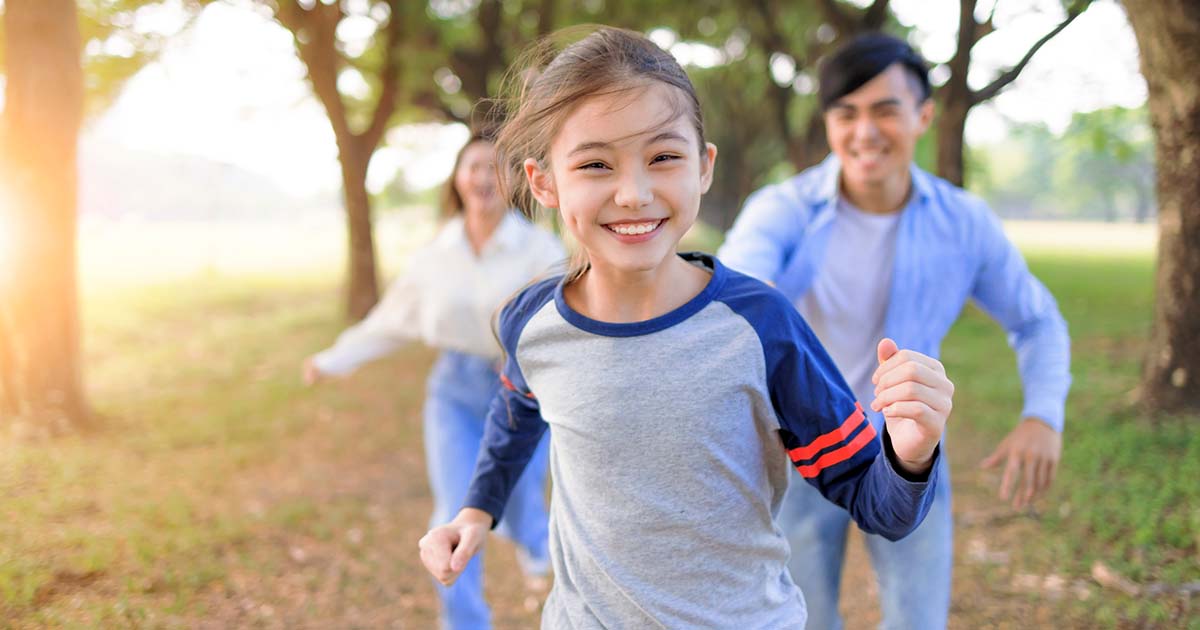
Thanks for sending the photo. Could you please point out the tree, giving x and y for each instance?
(39, 325)
(1168, 36)
(358, 125)
(421, 61)
(956, 98)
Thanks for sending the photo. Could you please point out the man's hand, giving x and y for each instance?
(1031, 452)
(915, 396)
(446, 550)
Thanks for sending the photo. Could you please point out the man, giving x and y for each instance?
(867, 245)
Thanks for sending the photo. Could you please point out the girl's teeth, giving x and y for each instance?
(633, 229)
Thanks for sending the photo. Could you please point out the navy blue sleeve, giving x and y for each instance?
(824, 430)
(514, 424)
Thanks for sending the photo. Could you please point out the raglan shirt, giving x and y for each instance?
(670, 453)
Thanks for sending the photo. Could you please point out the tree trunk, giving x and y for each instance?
(951, 124)
(362, 286)
(1168, 35)
(39, 328)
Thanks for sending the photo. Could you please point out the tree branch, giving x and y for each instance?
(386, 105)
(988, 26)
(875, 15)
(314, 33)
(1007, 77)
(841, 22)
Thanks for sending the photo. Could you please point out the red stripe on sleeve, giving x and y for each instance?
(510, 387)
(840, 455)
(848, 427)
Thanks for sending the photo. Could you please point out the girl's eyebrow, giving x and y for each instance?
(595, 144)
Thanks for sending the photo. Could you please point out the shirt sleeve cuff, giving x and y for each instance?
(491, 505)
(906, 477)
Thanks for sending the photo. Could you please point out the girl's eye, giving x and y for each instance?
(592, 165)
(663, 158)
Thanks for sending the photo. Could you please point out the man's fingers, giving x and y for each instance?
(1045, 475)
(991, 460)
(1029, 482)
(1012, 472)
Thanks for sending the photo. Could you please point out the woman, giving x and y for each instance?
(483, 253)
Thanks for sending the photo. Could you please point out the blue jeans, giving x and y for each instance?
(913, 573)
(459, 391)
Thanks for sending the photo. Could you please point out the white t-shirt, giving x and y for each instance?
(848, 300)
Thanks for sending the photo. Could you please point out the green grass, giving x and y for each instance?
(197, 385)
(193, 383)
(1127, 492)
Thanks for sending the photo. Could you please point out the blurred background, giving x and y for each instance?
(196, 195)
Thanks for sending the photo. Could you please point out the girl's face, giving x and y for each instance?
(475, 179)
(627, 191)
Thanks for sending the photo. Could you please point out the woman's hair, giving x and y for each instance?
(553, 77)
(451, 202)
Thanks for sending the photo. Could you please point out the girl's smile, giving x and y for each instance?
(635, 231)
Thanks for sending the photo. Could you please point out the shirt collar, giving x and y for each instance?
(508, 235)
(831, 172)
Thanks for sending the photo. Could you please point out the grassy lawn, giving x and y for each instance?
(220, 491)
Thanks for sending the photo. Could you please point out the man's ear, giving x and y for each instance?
(541, 183)
(708, 162)
(925, 113)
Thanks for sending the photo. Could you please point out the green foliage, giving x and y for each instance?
(1100, 167)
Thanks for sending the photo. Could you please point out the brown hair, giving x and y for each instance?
(451, 202)
(553, 77)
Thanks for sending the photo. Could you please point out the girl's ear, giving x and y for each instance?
(708, 161)
(541, 183)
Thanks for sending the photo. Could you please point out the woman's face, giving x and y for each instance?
(475, 179)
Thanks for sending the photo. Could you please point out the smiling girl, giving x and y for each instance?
(677, 391)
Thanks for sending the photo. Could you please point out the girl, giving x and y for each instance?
(676, 390)
(447, 299)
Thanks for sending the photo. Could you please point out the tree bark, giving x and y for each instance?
(362, 289)
(1168, 35)
(42, 384)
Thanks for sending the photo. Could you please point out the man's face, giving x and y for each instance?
(874, 130)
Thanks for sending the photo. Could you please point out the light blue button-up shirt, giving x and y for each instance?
(950, 248)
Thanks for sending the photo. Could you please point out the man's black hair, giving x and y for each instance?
(865, 57)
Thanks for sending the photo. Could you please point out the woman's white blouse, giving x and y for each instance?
(447, 297)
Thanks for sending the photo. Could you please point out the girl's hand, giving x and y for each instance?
(309, 373)
(913, 393)
(446, 550)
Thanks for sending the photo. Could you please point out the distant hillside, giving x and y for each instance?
(117, 182)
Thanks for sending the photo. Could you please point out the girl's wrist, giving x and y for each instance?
(473, 516)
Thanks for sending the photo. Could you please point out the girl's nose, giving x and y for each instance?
(634, 191)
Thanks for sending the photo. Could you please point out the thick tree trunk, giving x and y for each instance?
(39, 328)
(1168, 35)
(362, 286)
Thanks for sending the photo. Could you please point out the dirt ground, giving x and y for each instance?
(348, 558)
